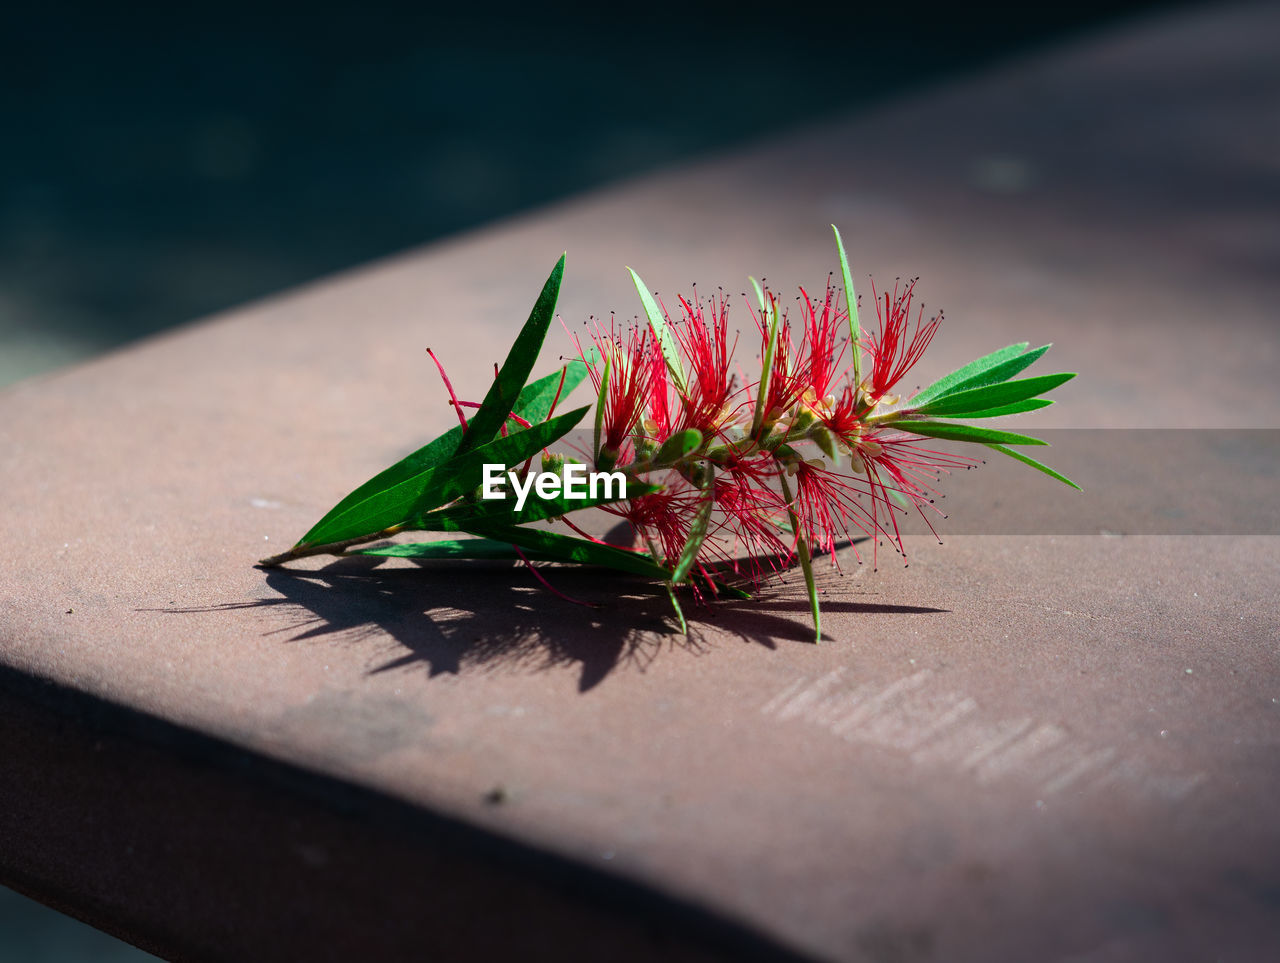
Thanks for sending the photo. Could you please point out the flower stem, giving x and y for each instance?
(806, 562)
(328, 548)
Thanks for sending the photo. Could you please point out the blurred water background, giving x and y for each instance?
(159, 162)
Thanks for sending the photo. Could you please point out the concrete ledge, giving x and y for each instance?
(1023, 746)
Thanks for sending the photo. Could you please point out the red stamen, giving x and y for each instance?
(448, 384)
(547, 585)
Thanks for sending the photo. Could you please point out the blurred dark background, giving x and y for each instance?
(161, 162)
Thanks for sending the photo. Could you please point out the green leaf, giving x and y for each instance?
(675, 604)
(959, 379)
(533, 404)
(697, 530)
(851, 301)
(759, 298)
(1031, 404)
(954, 432)
(955, 404)
(678, 446)
(499, 401)
(489, 512)
(662, 332)
(600, 405)
(766, 369)
(440, 484)
(1036, 465)
(483, 548)
(567, 548)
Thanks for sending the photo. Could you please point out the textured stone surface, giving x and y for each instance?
(1021, 746)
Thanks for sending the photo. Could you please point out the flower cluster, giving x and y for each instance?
(766, 453)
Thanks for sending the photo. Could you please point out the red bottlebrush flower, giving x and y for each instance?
(829, 507)
(822, 345)
(895, 462)
(750, 513)
(842, 419)
(894, 352)
(662, 519)
(787, 380)
(630, 370)
(708, 403)
(657, 423)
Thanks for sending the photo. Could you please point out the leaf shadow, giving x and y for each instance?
(450, 617)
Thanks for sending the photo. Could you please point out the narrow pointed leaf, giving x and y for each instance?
(1017, 408)
(440, 484)
(955, 432)
(766, 370)
(1036, 465)
(600, 405)
(759, 298)
(675, 604)
(533, 404)
(567, 548)
(811, 589)
(851, 302)
(956, 379)
(957, 403)
(661, 331)
(1001, 371)
(479, 548)
(697, 532)
(491, 414)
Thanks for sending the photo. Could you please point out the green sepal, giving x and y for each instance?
(678, 446)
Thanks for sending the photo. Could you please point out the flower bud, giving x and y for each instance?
(824, 440)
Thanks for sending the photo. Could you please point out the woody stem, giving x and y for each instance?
(328, 548)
